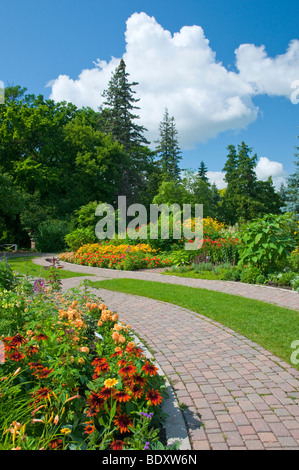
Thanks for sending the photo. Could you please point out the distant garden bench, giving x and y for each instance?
(8, 247)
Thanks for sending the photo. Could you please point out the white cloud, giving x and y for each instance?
(217, 177)
(181, 72)
(266, 168)
(272, 76)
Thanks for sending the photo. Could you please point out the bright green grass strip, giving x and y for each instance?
(272, 327)
(25, 266)
(191, 274)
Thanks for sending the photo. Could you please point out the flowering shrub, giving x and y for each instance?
(122, 257)
(221, 250)
(103, 249)
(127, 262)
(73, 378)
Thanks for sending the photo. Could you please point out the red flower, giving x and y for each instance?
(18, 339)
(128, 370)
(16, 356)
(42, 373)
(117, 445)
(122, 363)
(41, 337)
(136, 390)
(35, 365)
(154, 397)
(32, 350)
(43, 392)
(123, 423)
(122, 396)
(89, 428)
(105, 393)
(149, 369)
(134, 351)
(101, 365)
(138, 379)
(9, 346)
(95, 401)
(56, 444)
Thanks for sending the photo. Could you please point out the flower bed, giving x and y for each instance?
(128, 261)
(73, 377)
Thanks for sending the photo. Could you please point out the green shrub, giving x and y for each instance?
(181, 257)
(233, 273)
(249, 275)
(283, 278)
(267, 242)
(293, 261)
(80, 237)
(50, 235)
(7, 277)
(295, 283)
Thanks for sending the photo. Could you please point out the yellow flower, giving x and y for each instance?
(65, 431)
(84, 349)
(109, 383)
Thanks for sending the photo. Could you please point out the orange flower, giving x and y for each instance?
(117, 445)
(43, 392)
(89, 428)
(128, 370)
(41, 337)
(122, 339)
(123, 423)
(115, 336)
(122, 396)
(95, 401)
(18, 339)
(16, 356)
(149, 368)
(153, 397)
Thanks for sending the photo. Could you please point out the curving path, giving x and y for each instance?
(236, 395)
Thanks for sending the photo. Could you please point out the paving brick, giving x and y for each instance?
(248, 397)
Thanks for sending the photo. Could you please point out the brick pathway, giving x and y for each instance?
(281, 297)
(236, 394)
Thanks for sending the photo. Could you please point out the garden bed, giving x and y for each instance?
(73, 376)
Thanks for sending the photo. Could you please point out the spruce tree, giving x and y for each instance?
(202, 172)
(167, 150)
(120, 104)
(119, 120)
(245, 197)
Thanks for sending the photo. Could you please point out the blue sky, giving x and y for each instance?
(42, 41)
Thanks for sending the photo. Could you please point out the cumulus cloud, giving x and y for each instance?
(272, 76)
(180, 72)
(266, 168)
(217, 177)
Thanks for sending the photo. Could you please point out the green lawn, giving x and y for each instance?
(272, 327)
(24, 265)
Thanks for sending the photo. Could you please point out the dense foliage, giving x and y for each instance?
(72, 376)
(58, 162)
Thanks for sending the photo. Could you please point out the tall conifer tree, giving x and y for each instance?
(119, 119)
(167, 150)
